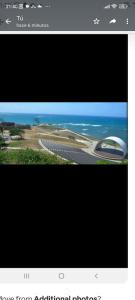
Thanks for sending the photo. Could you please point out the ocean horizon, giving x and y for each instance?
(95, 126)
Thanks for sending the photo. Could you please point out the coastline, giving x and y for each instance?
(84, 136)
(58, 141)
(87, 126)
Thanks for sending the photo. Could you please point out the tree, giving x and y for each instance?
(16, 131)
(1, 126)
(2, 142)
(1, 129)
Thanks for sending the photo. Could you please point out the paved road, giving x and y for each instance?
(70, 153)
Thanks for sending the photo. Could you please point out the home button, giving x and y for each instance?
(61, 276)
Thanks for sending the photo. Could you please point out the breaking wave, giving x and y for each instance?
(79, 124)
(96, 125)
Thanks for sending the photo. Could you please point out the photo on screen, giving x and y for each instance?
(63, 133)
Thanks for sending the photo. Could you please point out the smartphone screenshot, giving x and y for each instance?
(64, 158)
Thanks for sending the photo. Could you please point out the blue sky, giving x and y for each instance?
(74, 108)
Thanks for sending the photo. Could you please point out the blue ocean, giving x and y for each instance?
(98, 127)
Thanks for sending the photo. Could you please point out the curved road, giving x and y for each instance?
(70, 153)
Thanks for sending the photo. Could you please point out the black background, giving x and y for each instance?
(63, 68)
(63, 216)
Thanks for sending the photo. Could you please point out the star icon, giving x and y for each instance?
(96, 21)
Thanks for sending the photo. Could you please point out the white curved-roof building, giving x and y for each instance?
(117, 140)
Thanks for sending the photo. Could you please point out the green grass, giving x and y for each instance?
(16, 143)
(103, 162)
(124, 162)
(29, 157)
(107, 162)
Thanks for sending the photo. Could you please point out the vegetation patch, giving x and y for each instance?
(2, 142)
(16, 131)
(102, 162)
(29, 157)
(24, 144)
(107, 162)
